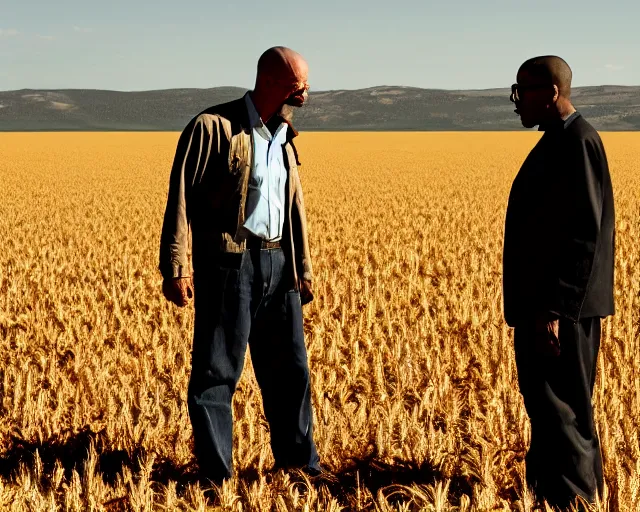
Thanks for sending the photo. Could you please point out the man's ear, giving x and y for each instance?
(556, 93)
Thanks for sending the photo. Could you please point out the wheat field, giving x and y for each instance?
(414, 383)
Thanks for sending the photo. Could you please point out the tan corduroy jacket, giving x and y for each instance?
(208, 191)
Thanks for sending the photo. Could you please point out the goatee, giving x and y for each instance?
(286, 112)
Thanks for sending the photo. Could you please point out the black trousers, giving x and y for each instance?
(247, 299)
(564, 459)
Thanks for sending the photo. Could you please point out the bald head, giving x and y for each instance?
(550, 69)
(283, 66)
(281, 82)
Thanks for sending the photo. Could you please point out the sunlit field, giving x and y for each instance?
(414, 381)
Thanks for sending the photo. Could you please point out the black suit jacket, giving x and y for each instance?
(559, 233)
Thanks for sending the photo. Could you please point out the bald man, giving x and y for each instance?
(558, 281)
(235, 185)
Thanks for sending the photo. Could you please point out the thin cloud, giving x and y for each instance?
(613, 67)
(46, 38)
(8, 32)
(83, 30)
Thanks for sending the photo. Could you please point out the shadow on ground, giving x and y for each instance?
(71, 451)
(373, 475)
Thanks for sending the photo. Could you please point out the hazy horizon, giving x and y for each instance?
(312, 92)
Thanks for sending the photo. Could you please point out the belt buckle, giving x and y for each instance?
(255, 242)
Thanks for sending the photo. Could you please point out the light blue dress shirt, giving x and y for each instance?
(264, 211)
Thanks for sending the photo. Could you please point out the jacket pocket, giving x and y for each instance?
(238, 153)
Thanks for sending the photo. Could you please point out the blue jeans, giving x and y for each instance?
(248, 298)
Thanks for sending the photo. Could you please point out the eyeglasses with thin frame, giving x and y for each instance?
(296, 85)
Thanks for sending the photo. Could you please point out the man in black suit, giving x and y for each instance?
(558, 281)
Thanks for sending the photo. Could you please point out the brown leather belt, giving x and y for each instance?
(256, 243)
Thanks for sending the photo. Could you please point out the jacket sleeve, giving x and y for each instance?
(191, 157)
(301, 238)
(580, 226)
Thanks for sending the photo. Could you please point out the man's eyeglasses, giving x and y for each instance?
(294, 85)
(517, 90)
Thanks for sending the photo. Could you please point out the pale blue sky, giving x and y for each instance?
(450, 44)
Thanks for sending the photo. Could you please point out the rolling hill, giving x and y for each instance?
(613, 108)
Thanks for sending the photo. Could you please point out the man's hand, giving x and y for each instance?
(306, 293)
(547, 335)
(178, 290)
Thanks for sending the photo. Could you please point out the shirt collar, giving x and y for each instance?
(559, 124)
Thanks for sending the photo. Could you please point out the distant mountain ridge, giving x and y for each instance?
(392, 108)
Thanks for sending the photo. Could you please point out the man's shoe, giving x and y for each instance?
(313, 471)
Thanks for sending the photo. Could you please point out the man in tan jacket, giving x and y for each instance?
(235, 187)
